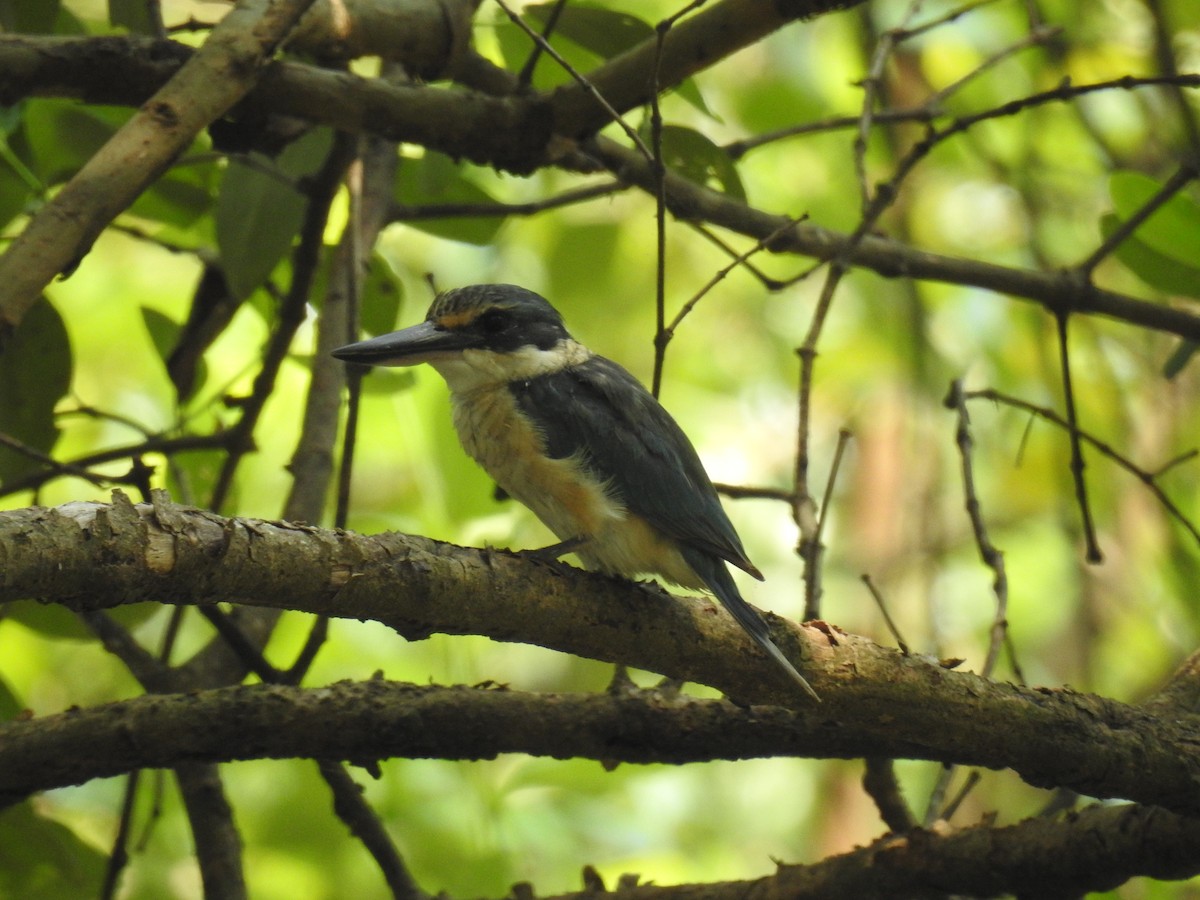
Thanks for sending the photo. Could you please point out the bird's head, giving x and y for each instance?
(480, 335)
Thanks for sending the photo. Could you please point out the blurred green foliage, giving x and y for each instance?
(1038, 189)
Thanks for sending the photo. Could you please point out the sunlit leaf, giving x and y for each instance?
(1174, 228)
(436, 179)
(260, 210)
(35, 372)
(1159, 271)
(605, 32)
(48, 619)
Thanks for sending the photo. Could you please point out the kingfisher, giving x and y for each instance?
(579, 441)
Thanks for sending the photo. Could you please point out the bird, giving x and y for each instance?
(579, 441)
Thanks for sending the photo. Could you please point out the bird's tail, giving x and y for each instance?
(716, 575)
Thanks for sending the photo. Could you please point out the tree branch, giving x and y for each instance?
(89, 555)
(515, 133)
(204, 88)
(366, 721)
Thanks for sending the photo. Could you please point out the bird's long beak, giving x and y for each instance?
(418, 344)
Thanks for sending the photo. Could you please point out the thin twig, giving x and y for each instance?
(870, 85)
(992, 558)
(661, 334)
(525, 76)
(1092, 552)
(1173, 185)
(400, 213)
(722, 273)
(1164, 53)
(738, 149)
(771, 284)
(948, 811)
(742, 492)
(1035, 38)
(815, 548)
(947, 19)
(305, 261)
(352, 809)
(883, 610)
(1146, 477)
(805, 511)
(590, 88)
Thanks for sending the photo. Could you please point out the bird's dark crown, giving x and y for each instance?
(505, 316)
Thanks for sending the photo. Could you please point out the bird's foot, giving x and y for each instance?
(555, 551)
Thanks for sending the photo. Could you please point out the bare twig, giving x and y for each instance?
(400, 213)
(948, 811)
(871, 85)
(580, 79)
(992, 558)
(352, 809)
(1164, 52)
(1092, 552)
(205, 87)
(525, 76)
(305, 261)
(1146, 477)
(815, 548)
(883, 610)
(1177, 182)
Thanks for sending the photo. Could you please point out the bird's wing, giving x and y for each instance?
(633, 445)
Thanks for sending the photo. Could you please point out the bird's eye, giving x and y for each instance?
(494, 321)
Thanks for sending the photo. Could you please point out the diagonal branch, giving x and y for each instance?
(204, 88)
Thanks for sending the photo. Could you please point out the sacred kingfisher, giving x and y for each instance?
(578, 440)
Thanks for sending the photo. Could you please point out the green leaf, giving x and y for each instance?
(10, 705)
(59, 136)
(382, 382)
(381, 296)
(698, 159)
(49, 620)
(14, 191)
(133, 14)
(1158, 271)
(1174, 228)
(29, 16)
(35, 372)
(260, 211)
(436, 179)
(179, 198)
(605, 32)
(163, 330)
(41, 859)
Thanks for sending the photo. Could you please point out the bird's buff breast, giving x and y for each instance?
(568, 499)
